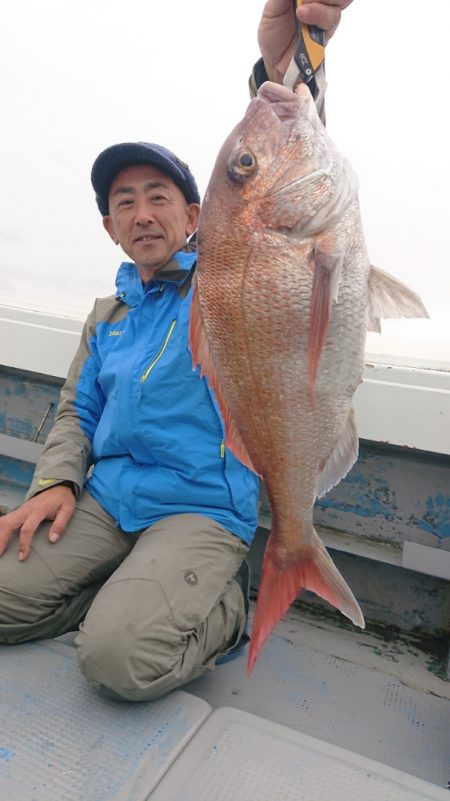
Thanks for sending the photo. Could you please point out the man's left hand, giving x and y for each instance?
(277, 33)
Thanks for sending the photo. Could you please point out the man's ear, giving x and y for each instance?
(193, 214)
(108, 226)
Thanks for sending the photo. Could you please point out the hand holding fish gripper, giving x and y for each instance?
(309, 55)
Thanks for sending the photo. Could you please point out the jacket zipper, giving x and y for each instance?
(222, 448)
(145, 375)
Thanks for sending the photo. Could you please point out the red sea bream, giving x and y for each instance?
(284, 296)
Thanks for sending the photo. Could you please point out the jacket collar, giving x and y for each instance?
(131, 290)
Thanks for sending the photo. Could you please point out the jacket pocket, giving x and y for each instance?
(152, 364)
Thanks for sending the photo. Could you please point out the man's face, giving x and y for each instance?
(149, 217)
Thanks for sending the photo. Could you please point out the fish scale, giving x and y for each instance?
(282, 296)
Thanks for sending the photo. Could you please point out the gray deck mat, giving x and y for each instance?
(59, 741)
(357, 707)
(236, 756)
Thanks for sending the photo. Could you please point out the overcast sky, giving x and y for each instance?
(78, 75)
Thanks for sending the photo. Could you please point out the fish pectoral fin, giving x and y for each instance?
(390, 298)
(280, 587)
(327, 269)
(341, 459)
(201, 355)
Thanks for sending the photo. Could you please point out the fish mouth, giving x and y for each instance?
(275, 92)
(281, 100)
(285, 103)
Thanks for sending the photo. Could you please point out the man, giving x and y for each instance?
(157, 515)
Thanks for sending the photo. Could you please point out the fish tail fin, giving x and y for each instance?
(280, 586)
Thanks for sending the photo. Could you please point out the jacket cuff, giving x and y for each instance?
(45, 484)
(257, 78)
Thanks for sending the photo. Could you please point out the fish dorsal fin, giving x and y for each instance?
(390, 298)
(341, 459)
(327, 269)
(201, 355)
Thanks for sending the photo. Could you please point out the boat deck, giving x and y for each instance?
(330, 711)
(384, 700)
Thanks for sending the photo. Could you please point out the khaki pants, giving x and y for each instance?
(156, 608)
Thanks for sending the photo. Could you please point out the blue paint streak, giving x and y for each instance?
(370, 507)
(436, 518)
(361, 495)
(6, 754)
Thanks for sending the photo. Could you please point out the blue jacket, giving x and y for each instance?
(134, 412)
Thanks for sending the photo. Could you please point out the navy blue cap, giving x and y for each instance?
(117, 157)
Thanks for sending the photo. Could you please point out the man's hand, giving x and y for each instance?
(56, 503)
(277, 34)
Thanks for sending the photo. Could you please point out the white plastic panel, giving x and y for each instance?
(405, 406)
(237, 756)
(399, 405)
(433, 561)
(37, 342)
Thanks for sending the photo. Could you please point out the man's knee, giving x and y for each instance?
(136, 645)
(121, 664)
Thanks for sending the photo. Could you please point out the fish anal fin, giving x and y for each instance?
(390, 298)
(201, 355)
(341, 459)
(235, 443)
(280, 586)
(327, 269)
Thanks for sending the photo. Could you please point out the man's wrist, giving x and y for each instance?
(260, 73)
(72, 486)
(258, 77)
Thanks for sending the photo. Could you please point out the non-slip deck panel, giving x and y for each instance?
(236, 756)
(59, 741)
(357, 707)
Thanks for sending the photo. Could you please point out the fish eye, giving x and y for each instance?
(242, 164)
(246, 160)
